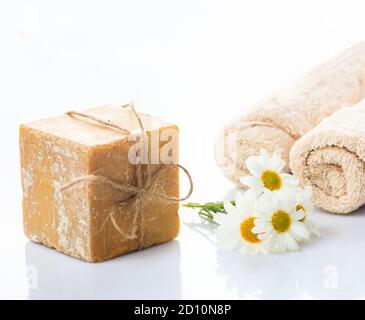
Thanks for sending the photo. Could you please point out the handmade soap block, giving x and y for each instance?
(93, 220)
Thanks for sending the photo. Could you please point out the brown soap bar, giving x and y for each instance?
(94, 221)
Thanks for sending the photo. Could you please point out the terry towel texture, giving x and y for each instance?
(282, 118)
(331, 158)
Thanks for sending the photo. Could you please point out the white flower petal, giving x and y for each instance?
(279, 245)
(280, 166)
(268, 204)
(270, 242)
(240, 204)
(276, 164)
(289, 180)
(299, 229)
(262, 236)
(231, 209)
(261, 228)
(286, 203)
(294, 236)
(291, 243)
(275, 203)
(246, 203)
(225, 219)
(298, 215)
(228, 237)
(264, 154)
(253, 183)
(308, 206)
(254, 166)
(249, 204)
(312, 228)
(299, 196)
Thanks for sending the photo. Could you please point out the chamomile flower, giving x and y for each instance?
(273, 214)
(303, 202)
(280, 224)
(235, 227)
(267, 176)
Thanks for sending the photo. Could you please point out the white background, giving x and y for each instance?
(198, 63)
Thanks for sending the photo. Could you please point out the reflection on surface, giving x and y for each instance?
(205, 229)
(327, 268)
(330, 267)
(149, 274)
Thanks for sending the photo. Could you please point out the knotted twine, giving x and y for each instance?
(137, 193)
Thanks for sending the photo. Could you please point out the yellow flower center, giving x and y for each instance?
(281, 221)
(246, 230)
(271, 180)
(300, 207)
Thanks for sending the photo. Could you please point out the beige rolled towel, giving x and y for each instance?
(282, 118)
(331, 158)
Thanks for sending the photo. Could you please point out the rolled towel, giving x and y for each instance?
(331, 158)
(277, 122)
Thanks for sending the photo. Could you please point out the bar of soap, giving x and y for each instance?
(89, 221)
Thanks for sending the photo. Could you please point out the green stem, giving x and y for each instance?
(208, 210)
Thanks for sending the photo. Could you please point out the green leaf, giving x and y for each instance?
(208, 210)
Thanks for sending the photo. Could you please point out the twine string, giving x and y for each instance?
(137, 193)
(252, 123)
(97, 120)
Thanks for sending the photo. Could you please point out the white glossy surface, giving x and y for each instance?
(192, 268)
(197, 63)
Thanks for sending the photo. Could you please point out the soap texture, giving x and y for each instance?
(331, 158)
(92, 220)
(279, 120)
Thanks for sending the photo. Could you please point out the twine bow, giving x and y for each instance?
(137, 193)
